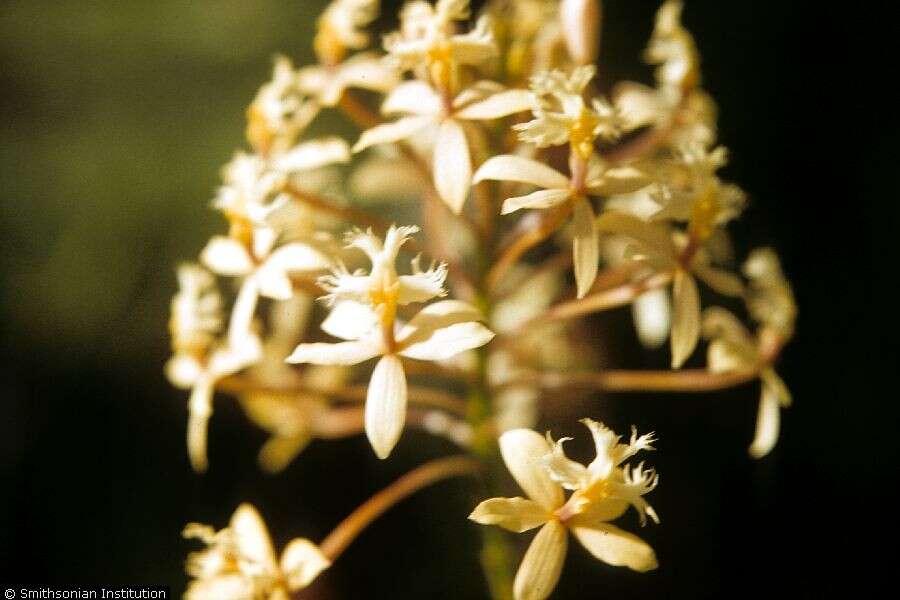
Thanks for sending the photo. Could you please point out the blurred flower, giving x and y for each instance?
(280, 111)
(601, 492)
(239, 562)
(672, 47)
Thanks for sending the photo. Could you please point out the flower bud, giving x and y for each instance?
(580, 20)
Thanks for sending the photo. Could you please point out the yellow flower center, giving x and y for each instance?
(440, 66)
(581, 133)
(386, 296)
(704, 213)
(327, 46)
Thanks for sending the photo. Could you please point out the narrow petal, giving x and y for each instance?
(585, 246)
(449, 341)
(615, 546)
(280, 450)
(620, 180)
(391, 132)
(523, 452)
(314, 154)
(199, 411)
(241, 323)
(252, 537)
(768, 422)
(720, 280)
(653, 237)
(183, 370)
(297, 256)
(542, 564)
(508, 167)
(515, 514)
(436, 316)
(226, 256)
(301, 563)
(344, 353)
(350, 320)
(538, 199)
(412, 97)
(452, 166)
(686, 318)
(386, 405)
(497, 105)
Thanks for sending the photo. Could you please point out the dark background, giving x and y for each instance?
(116, 118)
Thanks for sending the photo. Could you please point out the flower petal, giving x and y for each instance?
(538, 199)
(542, 564)
(523, 451)
(412, 97)
(199, 411)
(615, 546)
(686, 317)
(497, 105)
(314, 154)
(515, 514)
(619, 180)
(448, 341)
(350, 320)
(651, 236)
(301, 563)
(344, 353)
(652, 317)
(436, 316)
(226, 256)
(508, 167)
(391, 132)
(720, 280)
(386, 405)
(183, 370)
(452, 166)
(252, 537)
(240, 325)
(585, 246)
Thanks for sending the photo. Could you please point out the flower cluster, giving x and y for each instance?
(539, 202)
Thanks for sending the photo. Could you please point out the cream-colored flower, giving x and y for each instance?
(580, 21)
(200, 359)
(770, 298)
(425, 111)
(562, 116)
(429, 44)
(560, 190)
(733, 349)
(672, 48)
(240, 563)
(366, 70)
(657, 247)
(340, 27)
(601, 492)
(690, 191)
(265, 269)
(280, 111)
(365, 315)
(527, 32)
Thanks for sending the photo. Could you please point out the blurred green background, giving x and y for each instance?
(116, 116)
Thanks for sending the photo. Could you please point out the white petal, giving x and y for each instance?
(452, 166)
(199, 411)
(412, 97)
(226, 256)
(448, 341)
(652, 317)
(350, 320)
(585, 246)
(538, 199)
(523, 451)
(252, 537)
(686, 318)
(652, 236)
(240, 324)
(314, 154)
(508, 167)
(514, 514)
(720, 280)
(542, 564)
(767, 424)
(386, 405)
(301, 563)
(391, 132)
(368, 71)
(496, 106)
(615, 546)
(183, 370)
(435, 316)
(619, 180)
(297, 256)
(344, 353)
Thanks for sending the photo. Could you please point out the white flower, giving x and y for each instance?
(561, 115)
(770, 298)
(560, 190)
(280, 111)
(200, 360)
(733, 348)
(364, 70)
(601, 492)
(672, 47)
(425, 112)
(239, 562)
(364, 314)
